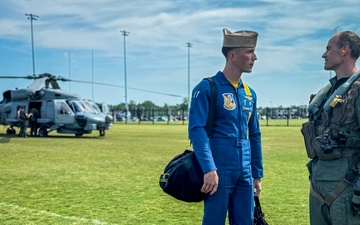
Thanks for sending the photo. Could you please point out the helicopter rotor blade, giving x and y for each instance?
(60, 78)
(120, 86)
(19, 77)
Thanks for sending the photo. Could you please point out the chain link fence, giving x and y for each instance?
(268, 116)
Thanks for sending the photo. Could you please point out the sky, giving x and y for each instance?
(82, 40)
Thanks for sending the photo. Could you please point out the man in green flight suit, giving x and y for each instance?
(332, 137)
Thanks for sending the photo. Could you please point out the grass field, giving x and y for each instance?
(114, 179)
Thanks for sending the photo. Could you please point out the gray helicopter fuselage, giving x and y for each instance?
(62, 111)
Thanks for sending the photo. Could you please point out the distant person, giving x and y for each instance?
(231, 158)
(23, 117)
(332, 137)
(34, 125)
(63, 109)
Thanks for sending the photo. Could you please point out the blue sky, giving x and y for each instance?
(292, 37)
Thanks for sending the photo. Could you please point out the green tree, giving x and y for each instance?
(185, 104)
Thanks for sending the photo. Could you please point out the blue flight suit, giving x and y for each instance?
(233, 150)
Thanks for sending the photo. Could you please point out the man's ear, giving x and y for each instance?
(345, 49)
(231, 55)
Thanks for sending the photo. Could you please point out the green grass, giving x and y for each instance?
(114, 179)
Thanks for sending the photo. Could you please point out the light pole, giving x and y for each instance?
(333, 32)
(32, 17)
(125, 33)
(69, 68)
(92, 73)
(189, 45)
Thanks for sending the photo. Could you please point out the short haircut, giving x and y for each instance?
(352, 40)
(225, 50)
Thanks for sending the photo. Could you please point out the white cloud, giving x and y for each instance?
(292, 38)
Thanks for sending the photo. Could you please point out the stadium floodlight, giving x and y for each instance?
(189, 45)
(125, 33)
(32, 17)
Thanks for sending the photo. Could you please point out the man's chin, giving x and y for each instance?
(326, 67)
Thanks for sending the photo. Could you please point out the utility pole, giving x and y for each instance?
(32, 17)
(92, 74)
(69, 71)
(189, 45)
(125, 33)
(333, 32)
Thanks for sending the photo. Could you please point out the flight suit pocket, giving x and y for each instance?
(351, 217)
(308, 131)
(246, 156)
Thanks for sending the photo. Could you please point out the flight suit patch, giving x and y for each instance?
(248, 105)
(229, 101)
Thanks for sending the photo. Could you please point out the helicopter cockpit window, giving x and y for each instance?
(92, 107)
(96, 107)
(89, 107)
(78, 106)
(105, 108)
(63, 108)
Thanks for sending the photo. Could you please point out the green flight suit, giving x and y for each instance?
(332, 140)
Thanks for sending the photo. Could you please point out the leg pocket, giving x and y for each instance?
(352, 218)
(342, 213)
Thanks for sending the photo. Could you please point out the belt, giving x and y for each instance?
(237, 142)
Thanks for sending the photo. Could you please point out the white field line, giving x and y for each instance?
(97, 222)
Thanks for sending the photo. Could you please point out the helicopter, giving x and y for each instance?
(59, 110)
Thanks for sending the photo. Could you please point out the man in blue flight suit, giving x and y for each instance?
(231, 158)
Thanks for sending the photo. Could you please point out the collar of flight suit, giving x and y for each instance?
(223, 81)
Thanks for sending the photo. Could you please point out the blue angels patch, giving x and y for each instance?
(229, 101)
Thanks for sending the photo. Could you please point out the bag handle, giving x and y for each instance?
(257, 203)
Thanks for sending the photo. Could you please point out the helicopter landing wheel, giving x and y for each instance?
(102, 133)
(43, 132)
(78, 135)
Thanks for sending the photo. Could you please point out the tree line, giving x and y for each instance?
(148, 110)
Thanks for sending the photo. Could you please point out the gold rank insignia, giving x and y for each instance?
(336, 100)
